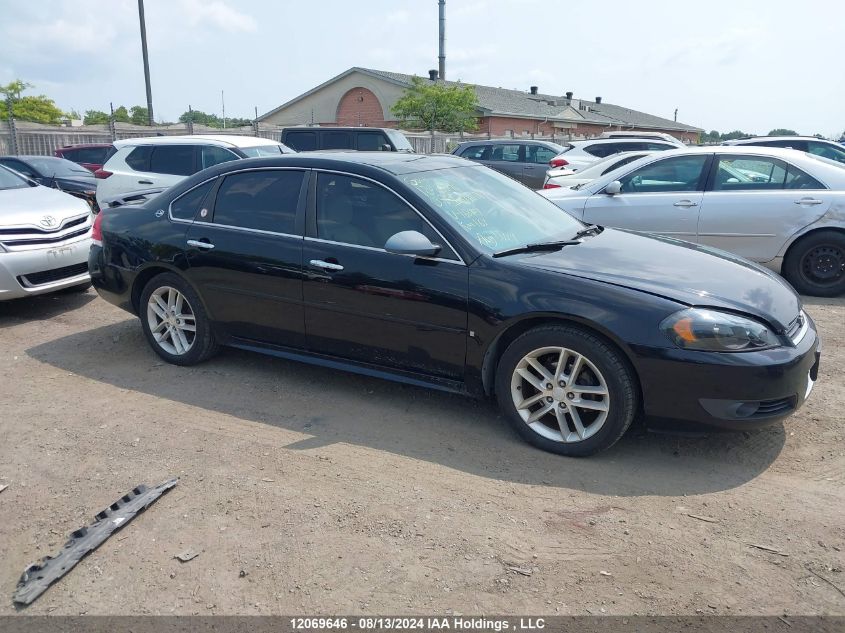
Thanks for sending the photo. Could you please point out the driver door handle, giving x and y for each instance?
(811, 201)
(319, 263)
(145, 182)
(200, 244)
(686, 204)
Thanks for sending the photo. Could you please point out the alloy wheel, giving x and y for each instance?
(171, 320)
(560, 394)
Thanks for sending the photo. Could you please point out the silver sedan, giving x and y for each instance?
(782, 208)
(45, 237)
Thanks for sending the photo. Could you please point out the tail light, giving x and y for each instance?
(97, 229)
(551, 185)
(102, 174)
(558, 162)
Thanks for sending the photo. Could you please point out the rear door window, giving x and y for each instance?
(602, 150)
(538, 154)
(177, 160)
(477, 152)
(302, 140)
(336, 140)
(506, 153)
(92, 155)
(827, 150)
(139, 158)
(185, 207)
(265, 200)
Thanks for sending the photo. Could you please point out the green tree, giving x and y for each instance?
(39, 109)
(712, 136)
(201, 118)
(433, 105)
(95, 117)
(732, 135)
(139, 115)
(121, 115)
(782, 131)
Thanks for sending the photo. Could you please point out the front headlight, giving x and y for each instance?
(714, 331)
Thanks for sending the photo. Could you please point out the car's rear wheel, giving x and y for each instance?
(565, 390)
(816, 264)
(174, 321)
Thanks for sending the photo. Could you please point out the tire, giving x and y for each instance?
(815, 265)
(185, 348)
(604, 417)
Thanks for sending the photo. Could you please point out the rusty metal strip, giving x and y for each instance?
(39, 576)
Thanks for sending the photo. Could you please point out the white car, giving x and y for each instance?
(580, 154)
(818, 146)
(162, 161)
(779, 207)
(45, 236)
(563, 177)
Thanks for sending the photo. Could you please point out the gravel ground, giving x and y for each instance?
(310, 491)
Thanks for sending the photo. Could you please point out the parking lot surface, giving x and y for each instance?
(305, 490)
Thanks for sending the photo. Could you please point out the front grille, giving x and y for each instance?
(778, 406)
(46, 240)
(38, 230)
(50, 276)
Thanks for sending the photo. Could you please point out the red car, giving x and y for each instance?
(92, 156)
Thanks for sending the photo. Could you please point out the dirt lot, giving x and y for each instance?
(336, 493)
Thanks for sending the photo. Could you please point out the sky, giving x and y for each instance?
(752, 65)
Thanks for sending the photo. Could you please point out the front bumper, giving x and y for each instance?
(38, 271)
(736, 391)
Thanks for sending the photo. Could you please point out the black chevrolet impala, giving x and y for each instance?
(435, 271)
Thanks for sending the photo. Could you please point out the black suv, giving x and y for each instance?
(362, 139)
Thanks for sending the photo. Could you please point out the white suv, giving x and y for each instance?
(579, 154)
(162, 161)
(810, 144)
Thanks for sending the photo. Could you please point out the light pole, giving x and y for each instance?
(146, 61)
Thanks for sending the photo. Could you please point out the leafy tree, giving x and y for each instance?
(95, 117)
(121, 115)
(139, 115)
(782, 131)
(733, 135)
(201, 118)
(39, 109)
(712, 136)
(435, 106)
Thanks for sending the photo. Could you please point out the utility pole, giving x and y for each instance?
(676, 114)
(442, 57)
(146, 61)
(223, 102)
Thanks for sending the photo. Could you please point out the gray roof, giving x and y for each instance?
(506, 102)
(520, 104)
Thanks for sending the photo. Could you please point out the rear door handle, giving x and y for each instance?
(319, 263)
(810, 201)
(200, 244)
(686, 204)
(145, 182)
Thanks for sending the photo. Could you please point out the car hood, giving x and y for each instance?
(77, 183)
(28, 205)
(681, 271)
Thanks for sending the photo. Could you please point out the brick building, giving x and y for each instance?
(364, 97)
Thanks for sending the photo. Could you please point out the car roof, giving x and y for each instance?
(508, 141)
(774, 138)
(218, 139)
(334, 128)
(83, 146)
(605, 141)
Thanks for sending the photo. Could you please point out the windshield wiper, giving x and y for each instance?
(593, 228)
(540, 246)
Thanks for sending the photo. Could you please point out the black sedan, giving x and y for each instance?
(57, 173)
(436, 271)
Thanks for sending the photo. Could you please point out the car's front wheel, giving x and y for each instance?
(174, 321)
(565, 390)
(816, 264)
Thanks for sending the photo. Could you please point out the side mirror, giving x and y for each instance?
(613, 188)
(411, 243)
(386, 147)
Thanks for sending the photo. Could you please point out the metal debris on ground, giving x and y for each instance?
(771, 550)
(703, 518)
(3, 487)
(39, 576)
(187, 555)
(520, 570)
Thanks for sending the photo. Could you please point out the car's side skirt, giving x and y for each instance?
(332, 362)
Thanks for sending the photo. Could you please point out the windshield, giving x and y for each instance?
(400, 141)
(491, 210)
(57, 167)
(265, 150)
(10, 180)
